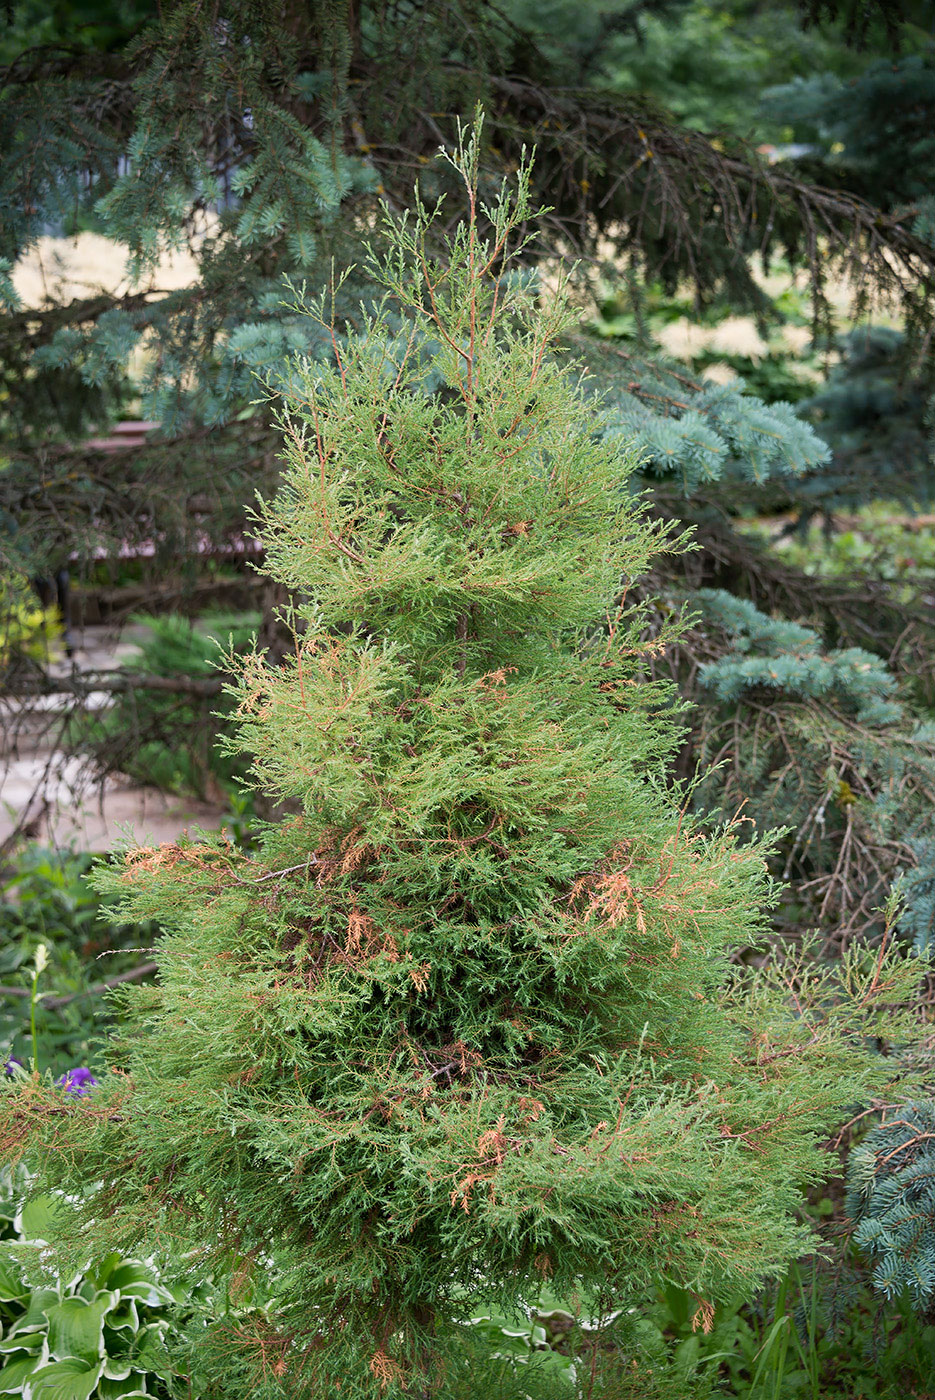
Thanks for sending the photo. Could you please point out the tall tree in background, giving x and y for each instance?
(262, 138)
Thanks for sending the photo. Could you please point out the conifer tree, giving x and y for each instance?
(458, 1025)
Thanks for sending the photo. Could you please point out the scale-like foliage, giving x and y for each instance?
(458, 1025)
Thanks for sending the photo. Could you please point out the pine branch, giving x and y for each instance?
(626, 170)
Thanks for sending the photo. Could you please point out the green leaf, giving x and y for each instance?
(124, 1315)
(24, 1341)
(116, 1368)
(151, 1353)
(14, 1181)
(17, 1370)
(34, 1318)
(116, 1390)
(12, 1284)
(71, 1379)
(134, 1280)
(76, 1328)
(100, 1271)
(36, 1219)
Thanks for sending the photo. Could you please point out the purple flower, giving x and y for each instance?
(78, 1082)
(11, 1066)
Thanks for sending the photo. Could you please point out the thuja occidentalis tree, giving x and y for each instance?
(457, 1025)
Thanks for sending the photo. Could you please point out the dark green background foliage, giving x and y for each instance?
(263, 137)
(811, 738)
(48, 900)
(139, 733)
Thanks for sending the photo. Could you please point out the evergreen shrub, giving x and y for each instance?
(463, 1022)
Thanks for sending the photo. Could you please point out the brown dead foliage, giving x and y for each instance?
(153, 859)
(492, 1148)
(703, 1316)
(419, 973)
(607, 893)
(678, 893)
(363, 942)
(387, 1370)
(340, 854)
(491, 679)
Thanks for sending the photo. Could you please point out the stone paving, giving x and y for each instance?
(54, 796)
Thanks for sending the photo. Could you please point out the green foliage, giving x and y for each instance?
(694, 432)
(48, 901)
(101, 1334)
(815, 740)
(464, 1020)
(709, 63)
(874, 413)
(77, 24)
(28, 632)
(879, 541)
(818, 1334)
(774, 654)
(859, 124)
(891, 1200)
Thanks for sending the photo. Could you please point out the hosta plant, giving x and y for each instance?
(97, 1334)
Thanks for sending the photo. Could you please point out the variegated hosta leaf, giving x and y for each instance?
(35, 1219)
(12, 1284)
(94, 1335)
(19, 1366)
(70, 1379)
(76, 1327)
(34, 1318)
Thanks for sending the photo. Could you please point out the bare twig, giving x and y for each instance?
(54, 1003)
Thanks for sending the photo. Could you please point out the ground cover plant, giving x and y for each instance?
(462, 1024)
(28, 631)
(97, 1334)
